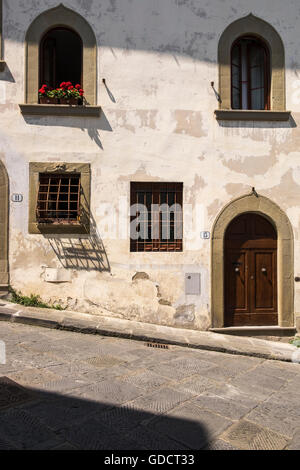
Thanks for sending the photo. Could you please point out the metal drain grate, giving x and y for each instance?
(157, 345)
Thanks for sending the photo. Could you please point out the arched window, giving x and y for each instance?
(59, 42)
(60, 57)
(250, 74)
(251, 69)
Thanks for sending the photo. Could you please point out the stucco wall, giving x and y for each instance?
(157, 124)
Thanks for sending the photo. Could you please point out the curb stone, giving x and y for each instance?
(114, 327)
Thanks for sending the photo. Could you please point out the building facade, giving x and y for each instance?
(171, 194)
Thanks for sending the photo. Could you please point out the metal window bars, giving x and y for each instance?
(58, 198)
(156, 217)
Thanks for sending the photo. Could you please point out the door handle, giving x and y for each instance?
(263, 270)
(237, 270)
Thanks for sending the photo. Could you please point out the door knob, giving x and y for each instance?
(237, 270)
(263, 270)
(252, 277)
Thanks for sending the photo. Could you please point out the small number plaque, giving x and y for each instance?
(205, 235)
(17, 197)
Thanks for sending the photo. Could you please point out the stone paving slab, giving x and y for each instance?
(191, 425)
(218, 404)
(61, 411)
(161, 401)
(276, 417)
(12, 393)
(196, 384)
(219, 444)
(295, 443)
(144, 378)
(24, 430)
(95, 324)
(249, 436)
(111, 391)
(90, 436)
(148, 439)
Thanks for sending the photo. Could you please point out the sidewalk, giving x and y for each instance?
(94, 324)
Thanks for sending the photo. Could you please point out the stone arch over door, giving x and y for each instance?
(60, 17)
(4, 190)
(285, 256)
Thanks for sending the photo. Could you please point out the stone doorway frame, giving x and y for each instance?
(285, 256)
(4, 211)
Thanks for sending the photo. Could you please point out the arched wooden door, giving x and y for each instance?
(250, 272)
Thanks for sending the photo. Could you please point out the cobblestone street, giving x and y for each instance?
(65, 390)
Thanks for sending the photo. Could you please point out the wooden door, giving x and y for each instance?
(250, 272)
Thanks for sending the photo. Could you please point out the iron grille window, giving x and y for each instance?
(156, 217)
(58, 198)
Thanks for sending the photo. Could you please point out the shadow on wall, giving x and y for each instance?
(6, 75)
(188, 28)
(47, 420)
(111, 96)
(90, 125)
(81, 252)
(290, 124)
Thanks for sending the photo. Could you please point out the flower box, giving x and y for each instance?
(66, 94)
(69, 101)
(47, 100)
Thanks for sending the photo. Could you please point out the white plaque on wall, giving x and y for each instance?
(17, 197)
(205, 235)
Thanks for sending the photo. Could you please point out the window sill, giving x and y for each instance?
(251, 115)
(59, 110)
(44, 229)
(2, 65)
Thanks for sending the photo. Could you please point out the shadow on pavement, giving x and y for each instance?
(35, 419)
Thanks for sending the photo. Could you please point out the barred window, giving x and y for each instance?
(58, 198)
(156, 217)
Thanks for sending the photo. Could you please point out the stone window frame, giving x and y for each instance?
(35, 168)
(254, 26)
(285, 256)
(60, 17)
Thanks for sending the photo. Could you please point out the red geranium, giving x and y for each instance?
(65, 90)
(43, 89)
